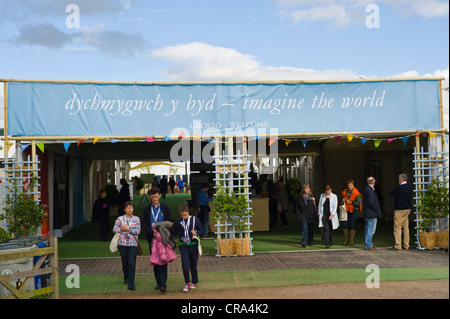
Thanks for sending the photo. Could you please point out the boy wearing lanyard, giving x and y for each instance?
(154, 213)
(186, 226)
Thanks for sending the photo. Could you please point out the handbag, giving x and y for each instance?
(114, 245)
(200, 250)
(139, 251)
(342, 213)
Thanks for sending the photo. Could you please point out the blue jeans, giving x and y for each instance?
(203, 215)
(371, 226)
(308, 233)
(350, 223)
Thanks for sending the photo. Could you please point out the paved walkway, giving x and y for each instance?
(322, 259)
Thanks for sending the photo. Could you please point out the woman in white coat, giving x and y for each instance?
(328, 218)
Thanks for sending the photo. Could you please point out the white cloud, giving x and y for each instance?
(44, 34)
(344, 12)
(199, 61)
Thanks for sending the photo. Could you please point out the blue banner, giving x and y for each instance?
(115, 110)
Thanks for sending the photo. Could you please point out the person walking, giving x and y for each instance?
(372, 211)
(188, 227)
(328, 218)
(351, 198)
(154, 213)
(402, 203)
(306, 209)
(203, 215)
(129, 227)
(100, 213)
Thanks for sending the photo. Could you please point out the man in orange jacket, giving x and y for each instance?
(352, 199)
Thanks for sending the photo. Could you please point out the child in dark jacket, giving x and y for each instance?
(186, 227)
(100, 213)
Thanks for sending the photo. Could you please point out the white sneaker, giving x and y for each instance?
(186, 288)
(193, 286)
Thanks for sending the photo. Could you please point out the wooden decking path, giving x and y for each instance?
(323, 259)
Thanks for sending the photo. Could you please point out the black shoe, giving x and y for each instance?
(303, 245)
(163, 289)
(132, 288)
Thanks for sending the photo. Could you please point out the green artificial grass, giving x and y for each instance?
(83, 241)
(145, 283)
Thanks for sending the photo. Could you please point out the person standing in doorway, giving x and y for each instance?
(328, 218)
(154, 213)
(402, 203)
(100, 213)
(203, 202)
(124, 195)
(351, 198)
(163, 186)
(372, 211)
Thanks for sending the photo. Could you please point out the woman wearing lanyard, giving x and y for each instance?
(154, 213)
(187, 226)
(129, 228)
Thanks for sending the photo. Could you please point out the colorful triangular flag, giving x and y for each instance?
(404, 139)
(181, 135)
(114, 141)
(364, 140)
(304, 142)
(272, 140)
(96, 140)
(431, 134)
(80, 141)
(166, 139)
(41, 146)
(24, 146)
(149, 139)
(338, 139)
(377, 143)
(66, 146)
(287, 142)
(390, 140)
(349, 137)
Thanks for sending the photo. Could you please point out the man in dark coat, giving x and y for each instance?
(154, 213)
(372, 211)
(402, 203)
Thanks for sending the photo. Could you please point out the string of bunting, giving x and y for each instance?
(377, 142)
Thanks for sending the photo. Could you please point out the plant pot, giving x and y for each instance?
(427, 240)
(224, 246)
(241, 246)
(442, 239)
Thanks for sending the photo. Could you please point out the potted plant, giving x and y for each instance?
(433, 212)
(230, 209)
(22, 212)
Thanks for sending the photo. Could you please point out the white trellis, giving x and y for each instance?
(232, 174)
(429, 166)
(18, 176)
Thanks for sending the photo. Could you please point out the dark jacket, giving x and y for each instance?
(146, 219)
(100, 211)
(402, 196)
(178, 229)
(370, 204)
(306, 210)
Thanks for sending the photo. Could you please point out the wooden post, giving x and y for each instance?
(54, 278)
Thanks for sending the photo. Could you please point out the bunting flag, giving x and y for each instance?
(133, 140)
(9, 144)
(364, 140)
(41, 146)
(287, 142)
(338, 139)
(149, 139)
(211, 140)
(431, 134)
(377, 143)
(390, 140)
(166, 139)
(24, 146)
(228, 143)
(256, 138)
(196, 137)
(96, 140)
(404, 139)
(349, 137)
(80, 141)
(181, 135)
(304, 142)
(66, 146)
(272, 140)
(114, 141)
(418, 134)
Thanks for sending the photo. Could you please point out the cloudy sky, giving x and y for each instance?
(226, 40)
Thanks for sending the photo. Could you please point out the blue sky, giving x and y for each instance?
(138, 40)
